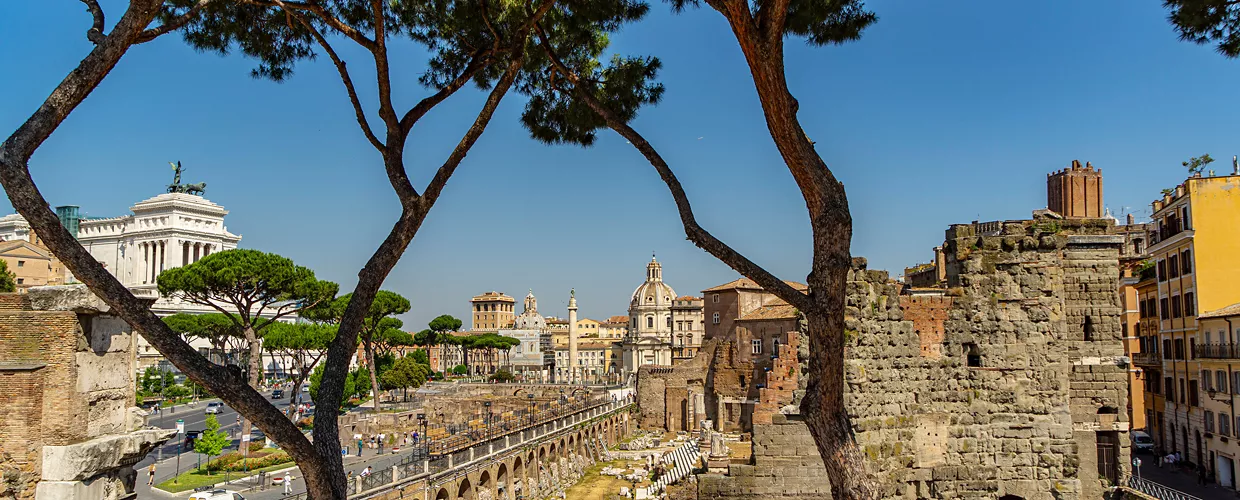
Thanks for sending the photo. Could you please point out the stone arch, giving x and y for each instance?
(542, 455)
(465, 491)
(484, 483)
(501, 482)
(550, 452)
(443, 494)
(572, 445)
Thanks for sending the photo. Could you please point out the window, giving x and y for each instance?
(714, 298)
(1224, 424)
(756, 345)
(1182, 391)
(1205, 380)
(1167, 348)
(1186, 262)
(715, 318)
(1207, 338)
(1173, 266)
(1192, 393)
(649, 321)
(1235, 382)
(1179, 349)
(1170, 386)
(1190, 305)
(1209, 421)
(1176, 310)
(1163, 312)
(669, 322)
(1089, 328)
(21, 281)
(1162, 270)
(21, 263)
(972, 355)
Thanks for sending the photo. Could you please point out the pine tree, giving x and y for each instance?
(7, 282)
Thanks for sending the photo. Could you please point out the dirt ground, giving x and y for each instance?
(596, 486)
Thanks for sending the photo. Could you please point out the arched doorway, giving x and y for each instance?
(484, 483)
(443, 494)
(465, 491)
(501, 482)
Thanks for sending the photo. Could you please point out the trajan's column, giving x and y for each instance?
(572, 337)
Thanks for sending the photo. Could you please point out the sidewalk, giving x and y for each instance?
(1180, 479)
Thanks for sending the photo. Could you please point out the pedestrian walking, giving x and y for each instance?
(288, 483)
(359, 446)
(150, 478)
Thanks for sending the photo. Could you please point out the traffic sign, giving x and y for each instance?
(180, 426)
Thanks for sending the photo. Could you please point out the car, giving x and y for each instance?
(277, 394)
(216, 494)
(213, 408)
(1141, 442)
(190, 437)
(305, 388)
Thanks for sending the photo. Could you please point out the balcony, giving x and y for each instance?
(1218, 351)
(1147, 359)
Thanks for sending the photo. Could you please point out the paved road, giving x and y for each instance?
(195, 420)
(1179, 479)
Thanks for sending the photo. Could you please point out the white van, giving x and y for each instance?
(220, 494)
(1141, 442)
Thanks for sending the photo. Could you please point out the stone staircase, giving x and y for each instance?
(682, 460)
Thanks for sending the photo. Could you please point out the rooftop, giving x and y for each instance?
(779, 311)
(1231, 310)
(748, 284)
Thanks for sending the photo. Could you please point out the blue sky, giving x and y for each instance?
(944, 112)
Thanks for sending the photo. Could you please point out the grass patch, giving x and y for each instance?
(195, 478)
(595, 486)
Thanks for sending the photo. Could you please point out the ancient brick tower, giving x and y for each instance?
(1075, 193)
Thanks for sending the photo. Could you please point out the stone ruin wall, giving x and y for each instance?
(68, 425)
(1026, 422)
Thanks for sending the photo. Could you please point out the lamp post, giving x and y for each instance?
(488, 406)
(531, 398)
(422, 427)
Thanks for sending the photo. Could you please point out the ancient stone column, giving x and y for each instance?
(572, 337)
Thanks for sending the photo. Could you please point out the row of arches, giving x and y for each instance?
(505, 478)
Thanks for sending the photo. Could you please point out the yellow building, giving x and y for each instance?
(1219, 353)
(1149, 358)
(492, 311)
(616, 327)
(587, 327)
(31, 263)
(1194, 247)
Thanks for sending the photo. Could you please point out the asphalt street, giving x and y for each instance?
(195, 419)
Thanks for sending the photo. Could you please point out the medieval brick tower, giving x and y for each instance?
(1075, 193)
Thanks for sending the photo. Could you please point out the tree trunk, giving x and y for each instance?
(369, 346)
(831, 226)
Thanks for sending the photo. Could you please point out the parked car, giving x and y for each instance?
(1141, 442)
(219, 494)
(213, 408)
(277, 394)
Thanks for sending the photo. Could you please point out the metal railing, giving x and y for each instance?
(1147, 358)
(1158, 491)
(1217, 351)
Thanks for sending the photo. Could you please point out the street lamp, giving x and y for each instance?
(488, 406)
(422, 427)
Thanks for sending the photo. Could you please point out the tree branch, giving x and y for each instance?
(695, 232)
(382, 72)
(411, 117)
(772, 15)
(172, 24)
(348, 82)
(322, 14)
(95, 33)
(462, 148)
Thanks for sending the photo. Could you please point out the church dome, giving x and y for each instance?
(654, 290)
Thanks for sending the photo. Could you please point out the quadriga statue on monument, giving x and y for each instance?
(177, 187)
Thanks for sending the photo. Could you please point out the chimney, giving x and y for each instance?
(1131, 220)
(1235, 166)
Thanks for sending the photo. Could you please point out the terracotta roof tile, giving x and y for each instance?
(618, 319)
(1231, 310)
(779, 311)
(748, 284)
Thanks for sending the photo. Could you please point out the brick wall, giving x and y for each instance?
(927, 313)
